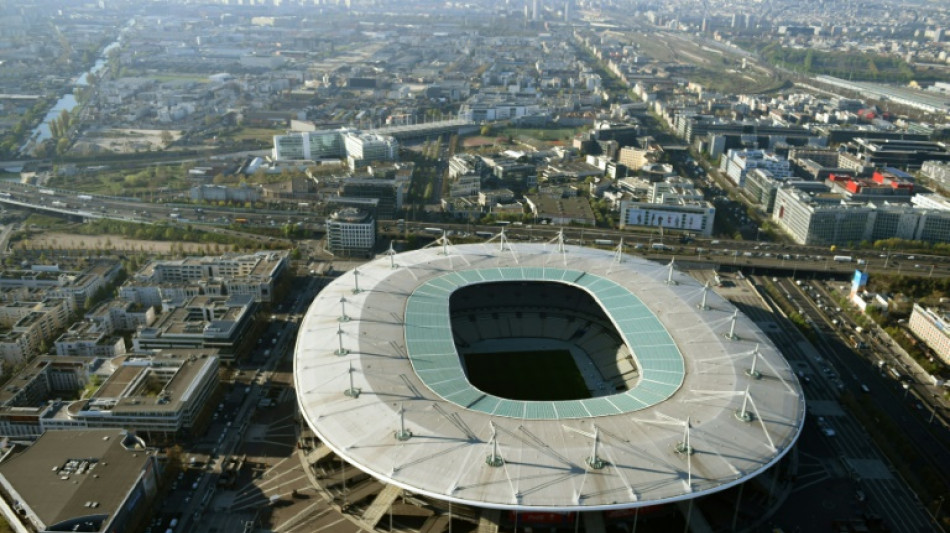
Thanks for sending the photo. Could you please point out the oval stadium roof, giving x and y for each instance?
(697, 420)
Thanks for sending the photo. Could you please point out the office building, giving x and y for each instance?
(932, 326)
(903, 154)
(761, 187)
(309, 146)
(351, 232)
(230, 274)
(737, 163)
(357, 147)
(690, 216)
(365, 148)
(160, 394)
(825, 218)
(201, 322)
(93, 480)
(389, 192)
(938, 171)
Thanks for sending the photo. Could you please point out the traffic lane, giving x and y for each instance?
(896, 407)
(892, 497)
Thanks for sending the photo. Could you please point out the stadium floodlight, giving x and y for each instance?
(744, 414)
(752, 372)
(343, 317)
(732, 328)
(594, 461)
(353, 391)
(341, 350)
(494, 458)
(402, 433)
(702, 305)
(392, 255)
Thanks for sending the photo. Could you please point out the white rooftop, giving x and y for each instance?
(398, 350)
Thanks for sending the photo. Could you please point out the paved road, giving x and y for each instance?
(888, 495)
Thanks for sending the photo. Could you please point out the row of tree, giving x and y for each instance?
(851, 65)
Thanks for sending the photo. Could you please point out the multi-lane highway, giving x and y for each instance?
(855, 452)
(717, 252)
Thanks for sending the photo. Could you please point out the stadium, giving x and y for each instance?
(501, 384)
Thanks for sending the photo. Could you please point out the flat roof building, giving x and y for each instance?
(933, 327)
(357, 147)
(100, 480)
(691, 216)
(351, 232)
(737, 163)
(160, 393)
(231, 274)
(201, 322)
(825, 218)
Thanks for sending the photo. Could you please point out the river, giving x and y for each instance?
(67, 101)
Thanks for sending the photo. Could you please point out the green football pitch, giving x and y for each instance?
(541, 375)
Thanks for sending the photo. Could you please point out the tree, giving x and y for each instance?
(62, 145)
(166, 138)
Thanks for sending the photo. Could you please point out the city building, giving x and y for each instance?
(159, 394)
(201, 322)
(357, 147)
(561, 211)
(76, 286)
(932, 326)
(482, 107)
(690, 216)
(351, 232)
(903, 154)
(826, 218)
(26, 327)
(222, 193)
(939, 171)
(931, 201)
(89, 339)
(882, 186)
(569, 172)
(252, 274)
(364, 148)
(737, 163)
(309, 146)
(761, 187)
(100, 480)
(636, 158)
(465, 185)
(389, 192)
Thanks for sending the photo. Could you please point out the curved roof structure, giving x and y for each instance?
(380, 381)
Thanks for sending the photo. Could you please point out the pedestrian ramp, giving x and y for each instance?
(435, 524)
(380, 505)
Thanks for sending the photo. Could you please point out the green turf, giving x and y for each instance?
(539, 376)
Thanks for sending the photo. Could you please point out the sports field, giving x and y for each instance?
(542, 375)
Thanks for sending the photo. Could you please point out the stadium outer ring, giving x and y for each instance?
(330, 413)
